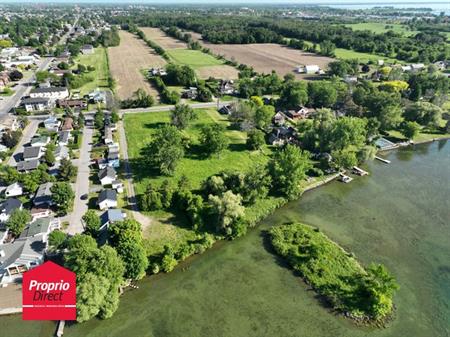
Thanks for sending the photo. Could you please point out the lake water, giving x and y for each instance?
(399, 216)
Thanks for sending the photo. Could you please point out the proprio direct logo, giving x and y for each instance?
(49, 293)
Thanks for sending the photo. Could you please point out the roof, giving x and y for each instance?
(40, 139)
(10, 205)
(64, 136)
(31, 152)
(13, 187)
(107, 172)
(36, 227)
(28, 165)
(31, 247)
(87, 46)
(107, 194)
(68, 124)
(61, 151)
(43, 194)
(46, 90)
(35, 100)
(112, 215)
(51, 119)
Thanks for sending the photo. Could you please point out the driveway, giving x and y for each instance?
(82, 184)
(28, 133)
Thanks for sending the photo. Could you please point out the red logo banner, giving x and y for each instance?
(49, 293)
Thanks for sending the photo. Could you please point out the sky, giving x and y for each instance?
(415, 2)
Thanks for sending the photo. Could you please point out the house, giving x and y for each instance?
(113, 159)
(7, 207)
(40, 141)
(226, 87)
(108, 137)
(298, 113)
(117, 185)
(42, 211)
(281, 135)
(71, 103)
(64, 138)
(27, 166)
(279, 119)
(225, 110)
(309, 69)
(349, 79)
(107, 199)
(18, 257)
(13, 190)
(107, 176)
(41, 227)
(417, 66)
(67, 124)
(61, 152)
(43, 195)
(32, 153)
(52, 123)
(87, 49)
(102, 163)
(53, 93)
(97, 96)
(111, 216)
(191, 93)
(36, 104)
(157, 72)
(406, 68)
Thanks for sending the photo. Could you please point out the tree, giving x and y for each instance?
(134, 257)
(322, 94)
(67, 171)
(213, 139)
(226, 209)
(293, 94)
(288, 168)
(57, 239)
(15, 75)
(99, 119)
(424, 113)
(182, 115)
(62, 196)
(49, 156)
(410, 129)
(263, 116)
(166, 149)
(255, 140)
(256, 184)
(91, 294)
(91, 222)
(17, 221)
(11, 138)
(8, 174)
(151, 199)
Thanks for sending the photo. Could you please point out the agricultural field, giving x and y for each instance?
(139, 129)
(204, 64)
(265, 57)
(382, 27)
(101, 73)
(127, 62)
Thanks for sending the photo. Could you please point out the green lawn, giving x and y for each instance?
(421, 137)
(98, 59)
(193, 58)
(347, 54)
(380, 27)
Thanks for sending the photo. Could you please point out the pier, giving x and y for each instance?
(383, 160)
(60, 330)
(359, 171)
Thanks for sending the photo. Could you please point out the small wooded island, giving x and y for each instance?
(363, 294)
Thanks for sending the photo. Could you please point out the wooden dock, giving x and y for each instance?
(383, 160)
(60, 330)
(359, 171)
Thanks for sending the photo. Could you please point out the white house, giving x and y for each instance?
(42, 141)
(36, 104)
(107, 176)
(41, 227)
(107, 199)
(52, 93)
(52, 123)
(14, 190)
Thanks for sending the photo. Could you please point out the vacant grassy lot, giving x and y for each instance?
(98, 60)
(347, 54)
(380, 27)
(127, 62)
(166, 227)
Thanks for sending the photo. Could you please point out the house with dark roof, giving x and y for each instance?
(7, 207)
(107, 199)
(107, 176)
(52, 93)
(110, 216)
(32, 153)
(43, 195)
(28, 166)
(64, 137)
(41, 227)
(36, 104)
(19, 256)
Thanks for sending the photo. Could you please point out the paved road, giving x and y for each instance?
(82, 183)
(27, 134)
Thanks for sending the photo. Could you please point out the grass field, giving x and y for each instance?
(380, 27)
(347, 54)
(193, 58)
(99, 60)
(167, 227)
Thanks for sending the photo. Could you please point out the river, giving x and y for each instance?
(399, 216)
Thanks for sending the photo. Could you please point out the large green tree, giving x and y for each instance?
(213, 139)
(63, 196)
(18, 220)
(182, 115)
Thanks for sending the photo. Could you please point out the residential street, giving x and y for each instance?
(81, 186)
(28, 133)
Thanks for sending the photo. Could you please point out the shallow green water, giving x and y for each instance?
(399, 216)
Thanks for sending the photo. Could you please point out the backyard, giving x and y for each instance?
(100, 75)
